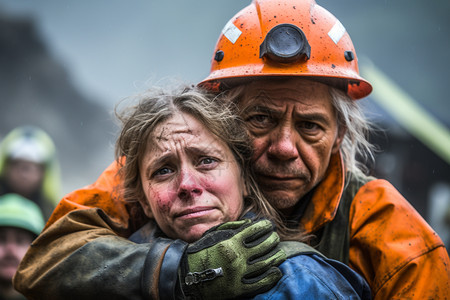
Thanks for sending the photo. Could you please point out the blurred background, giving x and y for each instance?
(65, 64)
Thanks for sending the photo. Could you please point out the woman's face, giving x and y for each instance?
(190, 178)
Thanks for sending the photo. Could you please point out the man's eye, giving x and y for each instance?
(309, 126)
(259, 120)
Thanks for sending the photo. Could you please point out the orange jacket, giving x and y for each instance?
(397, 252)
(391, 245)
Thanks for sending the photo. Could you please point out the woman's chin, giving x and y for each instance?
(195, 232)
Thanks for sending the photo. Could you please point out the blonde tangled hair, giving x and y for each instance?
(217, 115)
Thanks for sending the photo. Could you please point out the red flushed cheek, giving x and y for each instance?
(209, 183)
(163, 205)
(218, 184)
(163, 199)
(227, 186)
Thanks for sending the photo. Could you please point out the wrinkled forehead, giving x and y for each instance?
(183, 132)
(180, 128)
(175, 128)
(276, 92)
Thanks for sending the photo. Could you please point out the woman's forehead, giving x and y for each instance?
(183, 131)
(179, 126)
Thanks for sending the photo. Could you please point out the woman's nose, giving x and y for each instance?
(189, 186)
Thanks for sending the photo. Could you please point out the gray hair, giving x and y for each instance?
(355, 147)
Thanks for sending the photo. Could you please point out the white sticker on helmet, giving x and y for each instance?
(337, 32)
(231, 32)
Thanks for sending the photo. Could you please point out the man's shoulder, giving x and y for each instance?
(371, 188)
(294, 248)
(357, 180)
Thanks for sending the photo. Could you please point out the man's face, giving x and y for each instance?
(295, 131)
(24, 177)
(14, 243)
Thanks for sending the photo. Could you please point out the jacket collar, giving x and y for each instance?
(327, 195)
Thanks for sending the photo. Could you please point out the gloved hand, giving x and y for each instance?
(234, 259)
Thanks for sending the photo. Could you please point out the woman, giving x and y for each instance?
(186, 170)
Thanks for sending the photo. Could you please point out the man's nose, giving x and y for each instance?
(189, 186)
(283, 144)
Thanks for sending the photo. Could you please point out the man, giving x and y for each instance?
(20, 222)
(292, 70)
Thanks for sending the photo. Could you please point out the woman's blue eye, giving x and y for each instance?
(163, 171)
(207, 161)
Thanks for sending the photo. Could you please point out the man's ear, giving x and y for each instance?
(339, 138)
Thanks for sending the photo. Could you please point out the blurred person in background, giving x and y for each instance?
(21, 220)
(29, 167)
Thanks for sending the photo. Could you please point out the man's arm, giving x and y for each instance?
(65, 256)
(393, 247)
(80, 257)
(103, 193)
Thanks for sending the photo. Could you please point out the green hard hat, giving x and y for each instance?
(17, 211)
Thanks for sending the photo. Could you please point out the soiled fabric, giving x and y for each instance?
(390, 244)
(89, 261)
(307, 274)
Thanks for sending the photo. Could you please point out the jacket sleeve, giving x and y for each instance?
(80, 257)
(104, 193)
(393, 247)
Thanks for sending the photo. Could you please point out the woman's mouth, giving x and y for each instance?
(194, 212)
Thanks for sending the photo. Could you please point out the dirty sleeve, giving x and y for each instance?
(80, 256)
(394, 248)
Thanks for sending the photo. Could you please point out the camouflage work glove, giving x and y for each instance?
(235, 259)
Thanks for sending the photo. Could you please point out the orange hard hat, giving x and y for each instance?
(286, 38)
